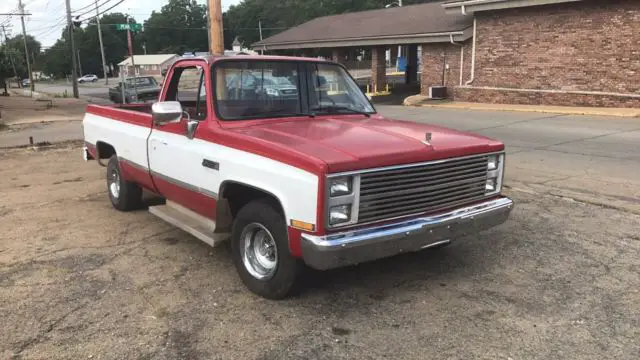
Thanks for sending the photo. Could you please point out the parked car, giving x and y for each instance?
(146, 89)
(319, 180)
(88, 78)
(256, 85)
(26, 82)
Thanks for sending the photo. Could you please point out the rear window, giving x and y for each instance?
(257, 89)
(142, 81)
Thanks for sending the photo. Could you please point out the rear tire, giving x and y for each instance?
(260, 251)
(124, 195)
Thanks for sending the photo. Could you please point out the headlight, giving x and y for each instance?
(340, 186)
(339, 214)
(493, 162)
(272, 92)
(491, 185)
(342, 196)
(495, 173)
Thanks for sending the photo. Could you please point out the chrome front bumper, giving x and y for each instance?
(362, 245)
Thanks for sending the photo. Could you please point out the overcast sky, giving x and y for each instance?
(49, 16)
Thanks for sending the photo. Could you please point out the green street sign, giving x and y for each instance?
(132, 27)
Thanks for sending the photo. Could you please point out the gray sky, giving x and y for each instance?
(49, 16)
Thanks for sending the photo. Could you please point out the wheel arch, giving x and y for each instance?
(233, 195)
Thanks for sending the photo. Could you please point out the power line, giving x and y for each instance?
(92, 6)
(102, 12)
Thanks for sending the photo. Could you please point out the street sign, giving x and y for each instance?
(132, 27)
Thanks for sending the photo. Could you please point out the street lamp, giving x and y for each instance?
(398, 4)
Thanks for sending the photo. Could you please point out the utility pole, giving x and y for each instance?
(104, 62)
(216, 39)
(79, 62)
(260, 29)
(133, 63)
(13, 65)
(208, 28)
(26, 48)
(72, 50)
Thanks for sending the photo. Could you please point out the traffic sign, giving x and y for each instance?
(132, 27)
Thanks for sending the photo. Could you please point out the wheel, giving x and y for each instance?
(124, 195)
(260, 251)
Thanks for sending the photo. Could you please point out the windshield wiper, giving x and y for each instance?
(336, 108)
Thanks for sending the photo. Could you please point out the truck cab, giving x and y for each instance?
(288, 160)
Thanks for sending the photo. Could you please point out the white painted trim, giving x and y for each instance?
(470, 6)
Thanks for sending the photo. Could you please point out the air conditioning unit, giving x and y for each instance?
(437, 92)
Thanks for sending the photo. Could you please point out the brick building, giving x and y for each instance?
(556, 52)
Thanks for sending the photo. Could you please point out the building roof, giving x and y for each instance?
(470, 6)
(408, 24)
(156, 59)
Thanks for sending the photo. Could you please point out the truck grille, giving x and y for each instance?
(387, 194)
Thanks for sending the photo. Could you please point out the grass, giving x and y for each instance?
(64, 95)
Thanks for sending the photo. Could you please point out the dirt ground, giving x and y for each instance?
(18, 109)
(80, 280)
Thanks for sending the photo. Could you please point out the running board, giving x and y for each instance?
(187, 220)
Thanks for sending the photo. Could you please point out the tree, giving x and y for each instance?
(180, 26)
(14, 47)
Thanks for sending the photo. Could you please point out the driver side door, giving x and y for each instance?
(176, 160)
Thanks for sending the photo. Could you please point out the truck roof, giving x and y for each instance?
(214, 58)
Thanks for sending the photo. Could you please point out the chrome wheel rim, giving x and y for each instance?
(259, 251)
(114, 184)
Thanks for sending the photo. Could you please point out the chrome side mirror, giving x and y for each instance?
(192, 125)
(166, 112)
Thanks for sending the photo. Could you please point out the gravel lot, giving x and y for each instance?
(79, 280)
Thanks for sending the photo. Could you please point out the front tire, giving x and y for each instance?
(260, 251)
(124, 195)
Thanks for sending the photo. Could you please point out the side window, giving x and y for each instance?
(257, 89)
(189, 88)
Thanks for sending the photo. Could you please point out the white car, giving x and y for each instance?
(88, 78)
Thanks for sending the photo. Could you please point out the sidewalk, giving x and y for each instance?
(423, 101)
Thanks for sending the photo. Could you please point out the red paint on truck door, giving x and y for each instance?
(176, 161)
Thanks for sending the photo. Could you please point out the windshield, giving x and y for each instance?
(141, 82)
(267, 89)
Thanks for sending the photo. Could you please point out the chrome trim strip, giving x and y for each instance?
(184, 185)
(361, 237)
(404, 166)
(169, 179)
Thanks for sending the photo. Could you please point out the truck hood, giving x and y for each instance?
(349, 143)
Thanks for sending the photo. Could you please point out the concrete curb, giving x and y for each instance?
(45, 145)
(419, 101)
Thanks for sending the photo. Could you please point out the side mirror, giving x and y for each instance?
(166, 112)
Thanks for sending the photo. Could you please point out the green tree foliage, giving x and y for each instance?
(14, 49)
(57, 59)
(179, 26)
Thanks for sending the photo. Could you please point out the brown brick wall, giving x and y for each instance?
(543, 98)
(586, 46)
(434, 56)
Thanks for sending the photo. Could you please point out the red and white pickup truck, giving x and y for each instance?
(288, 159)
